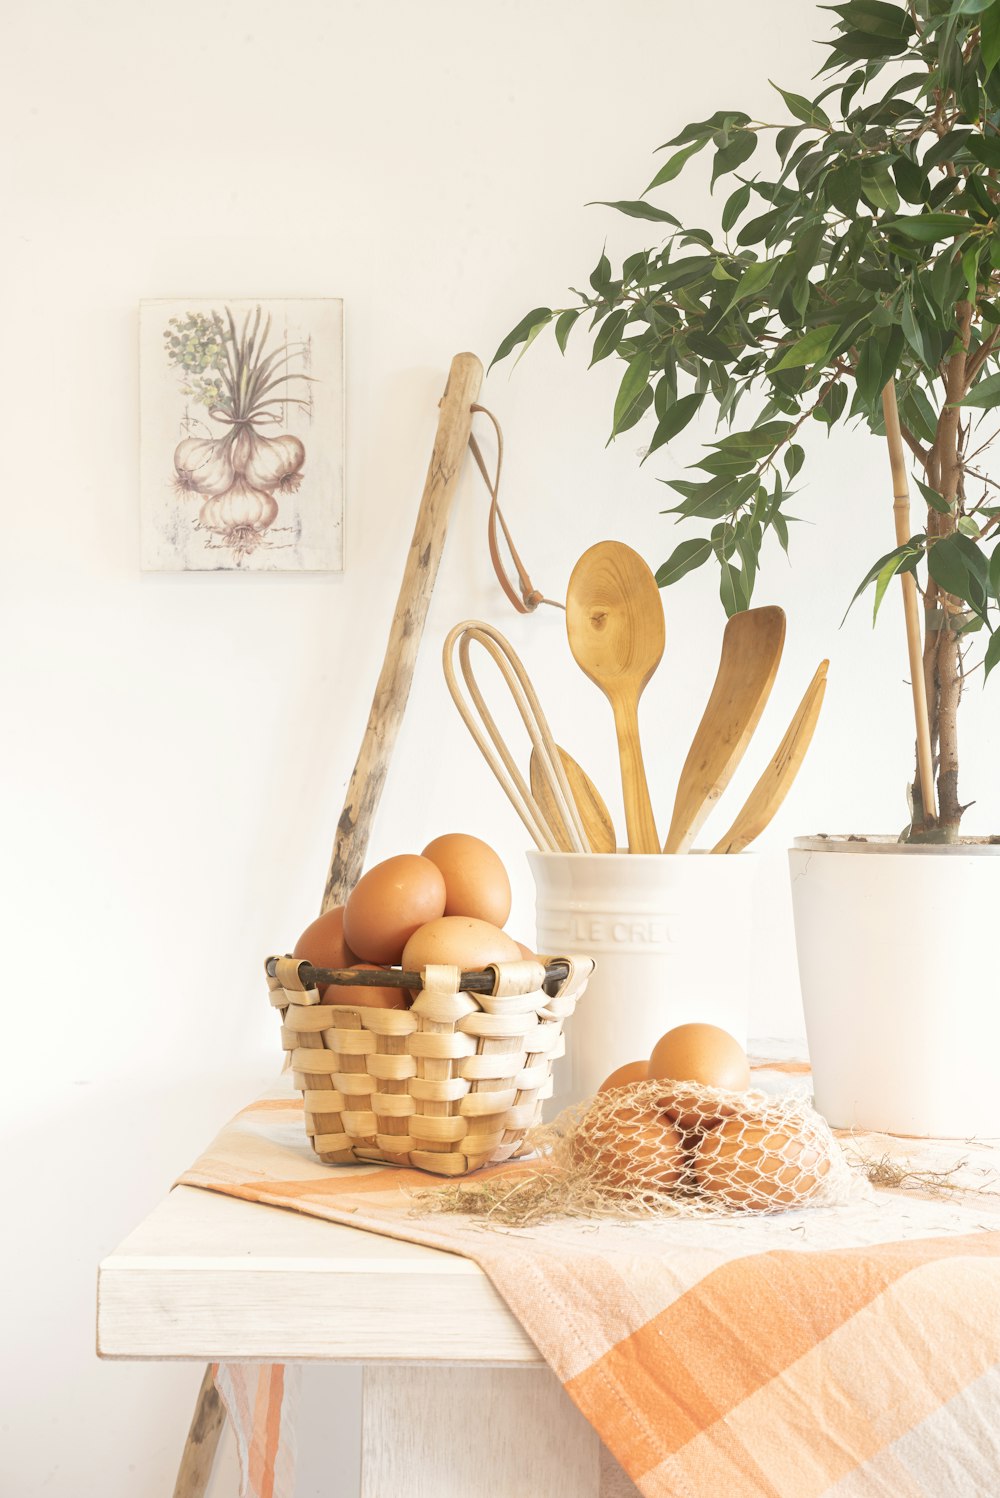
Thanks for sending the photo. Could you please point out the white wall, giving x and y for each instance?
(165, 826)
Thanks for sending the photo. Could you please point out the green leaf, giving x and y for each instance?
(986, 148)
(564, 326)
(883, 580)
(610, 333)
(843, 186)
(856, 47)
(986, 394)
(794, 459)
(993, 573)
(675, 165)
(989, 39)
(758, 228)
(687, 556)
(601, 275)
(869, 372)
(635, 412)
(707, 346)
(525, 330)
(915, 334)
(830, 409)
(704, 129)
(802, 109)
(731, 589)
(930, 227)
(809, 350)
(637, 209)
(720, 496)
(970, 270)
(935, 500)
(910, 179)
(630, 391)
(975, 561)
(754, 279)
(875, 17)
(780, 528)
(947, 566)
(920, 415)
(735, 205)
(728, 157)
(992, 654)
(674, 419)
(878, 186)
(906, 556)
(759, 440)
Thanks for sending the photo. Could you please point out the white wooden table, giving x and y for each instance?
(457, 1401)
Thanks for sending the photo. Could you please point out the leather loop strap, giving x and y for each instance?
(525, 597)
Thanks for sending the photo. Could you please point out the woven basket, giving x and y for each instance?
(450, 1084)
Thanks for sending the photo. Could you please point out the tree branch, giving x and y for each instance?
(921, 453)
(976, 361)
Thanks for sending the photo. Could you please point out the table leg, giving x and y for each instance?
(458, 1432)
(203, 1438)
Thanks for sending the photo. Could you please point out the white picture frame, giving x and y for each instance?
(242, 435)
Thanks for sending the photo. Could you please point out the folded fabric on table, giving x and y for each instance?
(843, 1351)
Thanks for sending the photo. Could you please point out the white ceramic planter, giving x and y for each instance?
(670, 935)
(899, 988)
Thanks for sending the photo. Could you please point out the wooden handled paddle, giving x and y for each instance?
(751, 652)
(614, 620)
(776, 781)
(594, 815)
(393, 688)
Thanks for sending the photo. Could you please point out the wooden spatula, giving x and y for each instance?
(775, 783)
(594, 815)
(751, 652)
(614, 621)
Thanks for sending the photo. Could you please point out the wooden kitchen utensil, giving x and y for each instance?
(596, 819)
(776, 781)
(751, 652)
(557, 790)
(614, 620)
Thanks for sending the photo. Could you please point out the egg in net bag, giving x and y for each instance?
(666, 1147)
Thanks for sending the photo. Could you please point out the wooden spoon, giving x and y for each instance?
(775, 783)
(751, 652)
(596, 818)
(614, 620)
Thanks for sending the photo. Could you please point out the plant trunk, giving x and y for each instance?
(942, 648)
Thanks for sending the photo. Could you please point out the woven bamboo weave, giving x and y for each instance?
(450, 1084)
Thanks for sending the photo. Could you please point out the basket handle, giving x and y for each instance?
(482, 980)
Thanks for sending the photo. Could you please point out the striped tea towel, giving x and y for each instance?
(848, 1352)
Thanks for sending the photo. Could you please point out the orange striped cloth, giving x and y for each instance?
(848, 1352)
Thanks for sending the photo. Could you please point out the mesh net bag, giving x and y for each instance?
(656, 1147)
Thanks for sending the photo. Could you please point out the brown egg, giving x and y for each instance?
(474, 878)
(701, 1053)
(698, 1053)
(389, 903)
(632, 1071)
(527, 954)
(323, 943)
(371, 998)
(632, 1149)
(747, 1164)
(459, 940)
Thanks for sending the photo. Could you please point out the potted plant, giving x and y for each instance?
(854, 277)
